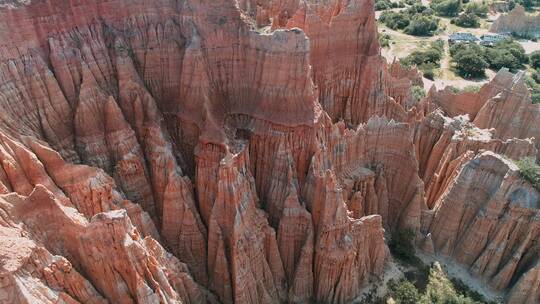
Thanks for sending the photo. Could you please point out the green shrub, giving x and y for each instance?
(428, 73)
(427, 60)
(440, 289)
(420, 57)
(394, 20)
(418, 92)
(465, 290)
(416, 20)
(534, 58)
(447, 8)
(384, 40)
(412, 2)
(536, 76)
(477, 8)
(402, 245)
(530, 171)
(526, 36)
(472, 88)
(417, 9)
(470, 64)
(403, 292)
(381, 5)
(468, 59)
(422, 25)
(527, 4)
(533, 83)
(466, 20)
(506, 54)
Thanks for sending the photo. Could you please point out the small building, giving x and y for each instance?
(491, 39)
(462, 37)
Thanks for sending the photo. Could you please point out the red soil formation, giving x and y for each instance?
(243, 152)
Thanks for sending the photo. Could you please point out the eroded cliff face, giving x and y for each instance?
(482, 213)
(487, 219)
(517, 21)
(225, 152)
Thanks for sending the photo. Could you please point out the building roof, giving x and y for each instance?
(463, 36)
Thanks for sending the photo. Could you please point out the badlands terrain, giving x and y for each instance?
(243, 151)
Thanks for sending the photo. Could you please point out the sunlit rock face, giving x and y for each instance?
(238, 152)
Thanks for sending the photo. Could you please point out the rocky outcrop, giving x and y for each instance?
(511, 112)
(517, 21)
(504, 105)
(31, 274)
(239, 152)
(399, 82)
(442, 143)
(341, 267)
(486, 219)
(368, 161)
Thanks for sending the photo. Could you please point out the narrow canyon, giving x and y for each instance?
(245, 151)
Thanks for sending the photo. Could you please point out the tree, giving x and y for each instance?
(534, 58)
(477, 8)
(506, 54)
(530, 171)
(440, 289)
(401, 245)
(470, 64)
(466, 20)
(422, 25)
(394, 20)
(447, 8)
(403, 292)
(381, 5)
(527, 4)
(417, 92)
(384, 40)
(427, 60)
(468, 59)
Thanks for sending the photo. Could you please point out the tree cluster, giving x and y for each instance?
(417, 20)
(471, 60)
(439, 290)
(427, 60)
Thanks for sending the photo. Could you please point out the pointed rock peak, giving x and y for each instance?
(41, 197)
(211, 132)
(432, 91)
(44, 153)
(291, 202)
(124, 65)
(114, 118)
(88, 79)
(116, 216)
(284, 155)
(375, 122)
(41, 194)
(318, 164)
(331, 181)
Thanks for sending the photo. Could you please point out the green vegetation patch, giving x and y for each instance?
(416, 20)
(427, 60)
(479, 9)
(530, 171)
(439, 290)
(446, 8)
(470, 59)
(466, 20)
